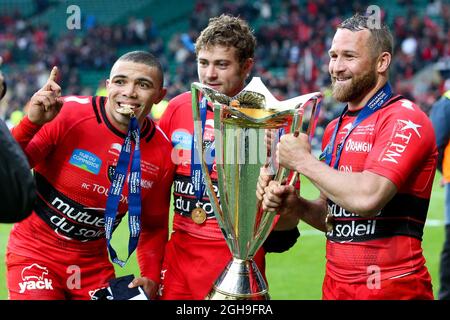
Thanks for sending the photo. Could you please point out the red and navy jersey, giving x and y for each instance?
(74, 158)
(178, 124)
(396, 142)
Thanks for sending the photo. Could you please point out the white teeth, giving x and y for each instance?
(125, 109)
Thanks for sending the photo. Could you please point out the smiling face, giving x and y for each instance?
(219, 68)
(353, 67)
(132, 84)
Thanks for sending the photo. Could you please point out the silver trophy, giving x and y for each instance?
(247, 128)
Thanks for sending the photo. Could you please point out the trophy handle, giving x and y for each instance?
(310, 130)
(297, 123)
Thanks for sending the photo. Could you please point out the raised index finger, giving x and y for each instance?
(53, 74)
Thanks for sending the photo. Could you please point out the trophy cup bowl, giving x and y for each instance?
(241, 124)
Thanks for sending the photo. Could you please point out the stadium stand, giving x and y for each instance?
(291, 57)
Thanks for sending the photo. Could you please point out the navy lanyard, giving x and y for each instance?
(134, 192)
(196, 167)
(374, 104)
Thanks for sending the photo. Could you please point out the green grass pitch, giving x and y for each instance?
(297, 273)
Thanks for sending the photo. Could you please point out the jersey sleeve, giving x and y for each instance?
(24, 133)
(38, 141)
(404, 142)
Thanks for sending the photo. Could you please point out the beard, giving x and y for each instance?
(357, 87)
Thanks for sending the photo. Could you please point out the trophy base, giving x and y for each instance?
(241, 280)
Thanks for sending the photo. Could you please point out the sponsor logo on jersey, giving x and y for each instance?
(145, 184)
(185, 200)
(364, 130)
(115, 149)
(345, 168)
(182, 139)
(74, 222)
(345, 129)
(407, 104)
(111, 170)
(349, 226)
(358, 146)
(402, 134)
(341, 135)
(86, 161)
(146, 167)
(352, 230)
(209, 123)
(78, 224)
(149, 167)
(34, 277)
(209, 130)
(408, 124)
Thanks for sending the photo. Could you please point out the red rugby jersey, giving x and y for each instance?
(178, 124)
(74, 158)
(396, 142)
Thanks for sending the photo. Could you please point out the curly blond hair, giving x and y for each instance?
(228, 31)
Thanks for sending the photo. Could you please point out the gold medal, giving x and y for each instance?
(198, 215)
(329, 222)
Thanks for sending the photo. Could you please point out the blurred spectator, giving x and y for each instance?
(291, 57)
(409, 46)
(265, 9)
(440, 116)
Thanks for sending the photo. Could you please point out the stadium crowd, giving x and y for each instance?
(291, 57)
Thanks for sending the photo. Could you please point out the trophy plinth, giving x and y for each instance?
(242, 125)
(241, 280)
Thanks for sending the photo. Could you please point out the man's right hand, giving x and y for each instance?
(281, 199)
(278, 198)
(46, 103)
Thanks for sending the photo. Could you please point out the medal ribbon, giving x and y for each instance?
(375, 103)
(134, 192)
(196, 167)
